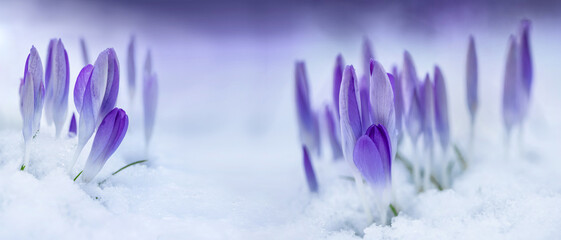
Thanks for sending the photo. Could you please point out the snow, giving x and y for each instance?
(225, 162)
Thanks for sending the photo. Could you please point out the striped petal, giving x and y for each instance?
(349, 106)
(80, 86)
(56, 85)
(337, 77)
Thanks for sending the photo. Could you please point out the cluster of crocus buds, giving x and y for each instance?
(95, 95)
(518, 79)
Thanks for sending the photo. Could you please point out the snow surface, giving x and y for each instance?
(225, 162)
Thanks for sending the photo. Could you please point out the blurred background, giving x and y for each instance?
(226, 111)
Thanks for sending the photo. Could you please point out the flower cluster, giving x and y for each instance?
(95, 95)
(370, 116)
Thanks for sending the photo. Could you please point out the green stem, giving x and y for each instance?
(460, 157)
(121, 169)
(128, 165)
(436, 183)
(22, 167)
(409, 167)
(393, 210)
(78, 175)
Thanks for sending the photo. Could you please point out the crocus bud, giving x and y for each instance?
(309, 170)
(150, 97)
(337, 77)
(131, 68)
(372, 157)
(367, 55)
(428, 111)
(411, 98)
(72, 128)
(32, 94)
(56, 85)
(148, 63)
(333, 132)
(349, 107)
(395, 80)
(105, 83)
(305, 115)
(382, 101)
(512, 87)
(441, 109)
(471, 79)
(109, 135)
(364, 94)
(84, 51)
(525, 56)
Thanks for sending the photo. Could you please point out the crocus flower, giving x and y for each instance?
(131, 68)
(411, 99)
(56, 85)
(428, 121)
(372, 157)
(441, 109)
(72, 129)
(512, 88)
(307, 121)
(33, 73)
(98, 96)
(471, 79)
(382, 101)
(349, 107)
(31, 93)
(109, 135)
(150, 97)
(526, 70)
(333, 132)
(367, 55)
(337, 77)
(309, 170)
(395, 80)
(84, 51)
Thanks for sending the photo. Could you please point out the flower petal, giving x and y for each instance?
(56, 99)
(84, 51)
(332, 132)
(309, 170)
(471, 78)
(72, 128)
(349, 106)
(441, 108)
(395, 80)
(27, 107)
(526, 56)
(80, 86)
(304, 111)
(381, 139)
(369, 163)
(428, 111)
(34, 66)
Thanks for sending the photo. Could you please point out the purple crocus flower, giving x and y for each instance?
(306, 118)
(131, 68)
(512, 88)
(56, 85)
(109, 135)
(367, 55)
(150, 97)
(411, 98)
(525, 56)
(337, 77)
(72, 129)
(31, 93)
(34, 74)
(84, 51)
(428, 111)
(98, 96)
(441, 109)
(471, 79)
(349, 107)
(364, 94)
(372, 157)
(333, 132)
(382, 101)
(309, 170)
